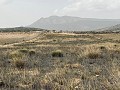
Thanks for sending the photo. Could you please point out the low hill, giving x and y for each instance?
(20, 29)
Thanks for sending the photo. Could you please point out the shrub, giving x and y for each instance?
(19, 64)
(93, 55)
(2, 84)
(57, 53)
(23, 51)
(54, 40)
(115, 45)
(102, 47)
(32, 52)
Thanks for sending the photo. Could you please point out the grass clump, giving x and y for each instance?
(24, 51)
(102, 48)
(92, 52)
(15, 55)
(32, 52)
(2, 84)
(93, 55)
(57, 53)
(117, 51)
(20, 64)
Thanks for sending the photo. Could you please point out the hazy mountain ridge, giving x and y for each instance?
(68, 23)
(115, 28)
(20, 29)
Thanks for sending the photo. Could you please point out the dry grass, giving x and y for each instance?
(89, 62)
(15, 37)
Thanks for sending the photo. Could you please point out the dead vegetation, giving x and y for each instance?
(55, 61)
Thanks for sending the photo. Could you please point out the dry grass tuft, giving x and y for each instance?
(15, 55)
(92, 52)
(93, 55)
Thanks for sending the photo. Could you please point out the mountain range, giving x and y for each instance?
(115, 28)
(69, 23)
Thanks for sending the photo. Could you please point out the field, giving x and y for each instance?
(59, 61)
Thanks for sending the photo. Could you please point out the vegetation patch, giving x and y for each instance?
(68, 64)
(93, 55)
(32, 52)
(57, 53)
(20, 64)
(15, 55)
(24, 51)
(102, 47)
(2, 84)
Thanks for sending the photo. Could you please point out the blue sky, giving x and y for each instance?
(24, 12)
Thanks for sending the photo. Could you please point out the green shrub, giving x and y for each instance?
(57, 53)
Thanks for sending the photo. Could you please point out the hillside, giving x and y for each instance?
(68, 23)
(115, 28)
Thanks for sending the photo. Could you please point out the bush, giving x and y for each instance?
(23, 51)
(57, 53)
(102, 47)
(19, 64)
(115, 45)
(2, 84)
(32, 52)
(93, 55)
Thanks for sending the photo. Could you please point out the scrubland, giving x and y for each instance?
(59, 61)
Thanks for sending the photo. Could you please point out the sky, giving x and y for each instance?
(15, 13)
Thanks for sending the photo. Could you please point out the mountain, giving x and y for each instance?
(68, 23)
(115, 28)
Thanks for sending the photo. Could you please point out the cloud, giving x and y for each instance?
(89, 5)
(2, 2)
